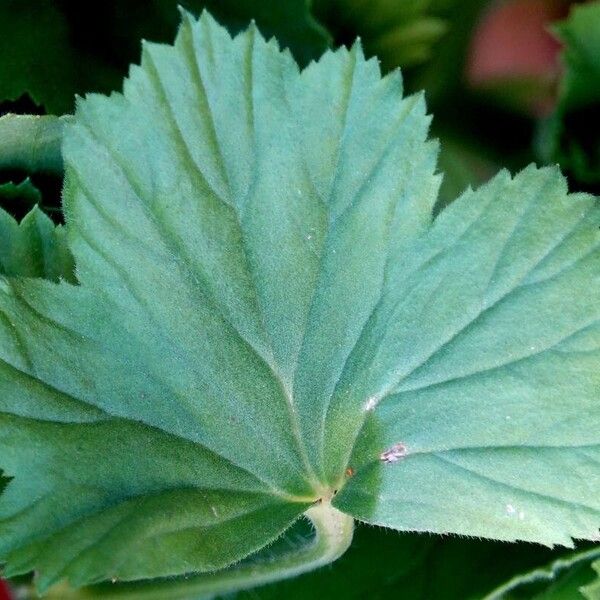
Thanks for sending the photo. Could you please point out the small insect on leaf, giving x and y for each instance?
(393, 454)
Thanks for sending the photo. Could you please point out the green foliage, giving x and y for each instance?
(37, 56)
(299, 549)
(564, 579)
(268, 319)
(399, 33)
(53, 49)
(592, 590)
(572, 135)
(424, 568)
(25, 194)
(507, 257)
(35, 247)
(31, 143)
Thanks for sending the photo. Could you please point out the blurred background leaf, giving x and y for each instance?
(19, 198)
(51, 50)
(571, 136)
(570, 577)
(399, 33)
(592, 590)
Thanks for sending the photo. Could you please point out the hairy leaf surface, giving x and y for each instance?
(266, 316)
(485, 372)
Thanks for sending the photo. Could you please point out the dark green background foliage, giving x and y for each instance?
(54, 49)
(571, 135)
(429, 39)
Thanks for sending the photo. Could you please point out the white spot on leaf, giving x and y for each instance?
(371, 403)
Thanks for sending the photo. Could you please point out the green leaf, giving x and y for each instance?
(298, 550)
(32, 246)
(361, 571)
(592, 590)
(31, 143)
(423, 568)
(82, 54)
(265, 312)
(572, 136)
(483, 361)
(582, 45)
(35, 247)
(137, 502)
(24, 193)
(563, 579)
(291, 22)
(17, 199)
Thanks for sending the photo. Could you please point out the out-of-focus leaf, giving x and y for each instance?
(399, 33)
(53, 49)
(31, 143)
(463, 165)
(563, 579)
(592, 590)
(37, 56)
(19, 195)
(571, 136)
(442, 76)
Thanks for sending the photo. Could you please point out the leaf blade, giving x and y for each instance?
(521, 358)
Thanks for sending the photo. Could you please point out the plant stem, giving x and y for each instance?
(333, 535)
(31, 143)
